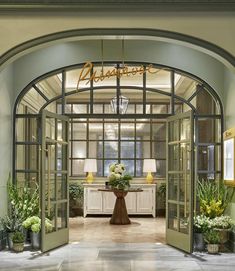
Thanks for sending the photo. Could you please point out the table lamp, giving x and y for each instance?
(149, 166)
(90, 166)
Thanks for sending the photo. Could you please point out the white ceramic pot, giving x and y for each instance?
(213, 248)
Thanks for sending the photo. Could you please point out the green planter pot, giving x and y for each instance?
(35, 240)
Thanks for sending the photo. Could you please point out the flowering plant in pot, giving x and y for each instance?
(201, 224)
(33, 224)
(18, 241)
(213, 240)
(117, 177)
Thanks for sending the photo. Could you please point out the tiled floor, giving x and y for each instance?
(88, 251)
(98, 229)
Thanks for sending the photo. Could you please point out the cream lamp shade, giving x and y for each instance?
(149, 166)
(90, 165)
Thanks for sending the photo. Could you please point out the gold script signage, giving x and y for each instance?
(86, 75)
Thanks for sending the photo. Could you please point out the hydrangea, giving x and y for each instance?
(117, 178)
(34, 224)
(36, 227)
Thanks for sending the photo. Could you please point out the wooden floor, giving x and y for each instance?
(98, 229)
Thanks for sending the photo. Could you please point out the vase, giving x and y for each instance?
(199, 243)
(9, 240)
(213, 248)
(35, 240)
(18, 247)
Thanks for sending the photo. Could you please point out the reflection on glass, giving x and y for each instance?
(172, 216)
(79, 149)
(62, 215)
(111, 149)
(78, 166)
(61, 187)
(184, 219)
(173, 157)
(50, 213)
(127, 149)
(130, 168)
(173, 186)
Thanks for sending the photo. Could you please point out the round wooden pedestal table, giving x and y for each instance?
(120, 215)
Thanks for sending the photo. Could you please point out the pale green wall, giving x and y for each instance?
(200, 64)
(229, 113)
(6, 87)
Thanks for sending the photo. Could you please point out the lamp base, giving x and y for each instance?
(149, 178)
(90, 178)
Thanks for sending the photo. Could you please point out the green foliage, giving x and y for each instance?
(18, 237)
(212, 237)
(162, 189)
(11, 224)
(24, 202)
(214, 197)
(76, 192)
(120, 184)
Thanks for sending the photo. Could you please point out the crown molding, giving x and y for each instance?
(119, 5)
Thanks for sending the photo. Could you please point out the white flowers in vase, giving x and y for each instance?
(117, 178)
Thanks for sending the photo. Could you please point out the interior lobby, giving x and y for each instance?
(115, 118)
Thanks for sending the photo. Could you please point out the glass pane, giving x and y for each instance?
(50, 184)
(159, 131)
(95, 131)
(160, 102)
(80, 109)
(51, 86)
(72, 77)
(184, 219)
(109, 80)
(139, 109)
(62, 131)
(139, 149)
(209, 130)
(129, 166)
(98, 108)
(159, 150)
(143, 130)
(61, 187)
(173, 186)
(127, 131)
(95, 149)
(68, 108)
(26, 129)
(50, 128)
(111, 149)
(127, 149)
(184, 86)
(79, 149)
(135, 79)
(159, 79)
(161, 168)
(172, 216)
(62, 215)
(50, 213)
(174, 131)
(104, 96)
(139, 168)
(99, 168)
(185, 132)
(111, 131)
(144, 151)
(78, 166)
(30, 179)
(205, 103)
(173, 156)
(27, 157)
(79, 131)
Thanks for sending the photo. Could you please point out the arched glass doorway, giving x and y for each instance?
(154, 93)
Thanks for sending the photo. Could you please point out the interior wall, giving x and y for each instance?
(6, 83)
(29, 67)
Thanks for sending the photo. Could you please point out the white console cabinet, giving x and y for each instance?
(101, 202)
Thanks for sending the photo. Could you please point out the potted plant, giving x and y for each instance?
(76, 193)
(201, 224)
(34, 225)
(18, 241)
(222, 225)
(212, 238)
(117, 178)
(161, 199)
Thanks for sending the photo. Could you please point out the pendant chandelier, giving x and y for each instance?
(120, 103)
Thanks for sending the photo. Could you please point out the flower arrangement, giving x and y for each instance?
(34, 224)
(221, 222)
(117, 177)
(201, 223)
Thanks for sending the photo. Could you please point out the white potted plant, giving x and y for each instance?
(201, 224)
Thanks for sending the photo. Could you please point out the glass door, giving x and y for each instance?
(54, 181)
(179, 201)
